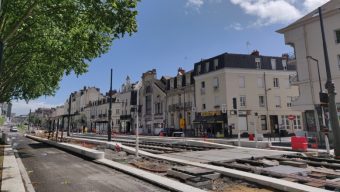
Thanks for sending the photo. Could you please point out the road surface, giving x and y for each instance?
(53, 170)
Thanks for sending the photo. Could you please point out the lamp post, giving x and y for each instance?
(321, 92)
(137, 124)
(110, 112)
(331, 94)
(69, 115)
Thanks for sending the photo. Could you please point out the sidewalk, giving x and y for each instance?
(11, 177)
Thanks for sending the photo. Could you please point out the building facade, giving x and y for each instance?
(304, 36)
(244, 92)
(152, 98)
(180, 101)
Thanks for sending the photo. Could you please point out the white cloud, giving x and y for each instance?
(236, 26)
(313, 4)
(22, 108)
(277, 11)
(196, 4)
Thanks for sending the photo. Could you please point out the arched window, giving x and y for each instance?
(148, 89)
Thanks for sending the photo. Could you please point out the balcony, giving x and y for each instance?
(294, 79)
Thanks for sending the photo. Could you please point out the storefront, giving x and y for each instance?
(210, 124)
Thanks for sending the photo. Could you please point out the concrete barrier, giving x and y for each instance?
(252, 144)
(90, 153)
(11, 177)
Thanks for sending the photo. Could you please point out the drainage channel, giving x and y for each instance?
(202, 178)
(317, 172)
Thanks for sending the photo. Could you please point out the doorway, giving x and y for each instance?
(274, 124)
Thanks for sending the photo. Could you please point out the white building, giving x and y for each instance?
(304, 36)
(152, 98)
(180, 101)
(231, 88)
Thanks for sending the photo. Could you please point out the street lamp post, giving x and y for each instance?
(331, 94)
(137, 124)
(109, 131)
(69, 115)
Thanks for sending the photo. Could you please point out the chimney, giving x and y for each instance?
(285, 56)
(181, 71)
(255, 53)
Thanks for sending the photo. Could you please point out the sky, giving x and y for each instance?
(179, 33)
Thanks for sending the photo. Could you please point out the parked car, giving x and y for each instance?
(13, 129)
(178, 134)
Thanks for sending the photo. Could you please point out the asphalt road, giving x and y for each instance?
(53, 170)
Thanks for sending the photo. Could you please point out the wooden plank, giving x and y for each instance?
(294, 164)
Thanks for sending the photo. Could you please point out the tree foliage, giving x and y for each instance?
(45, 39)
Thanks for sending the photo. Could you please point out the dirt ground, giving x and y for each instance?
(227, 185)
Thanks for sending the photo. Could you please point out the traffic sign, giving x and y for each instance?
(291, 117)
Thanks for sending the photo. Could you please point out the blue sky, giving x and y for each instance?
(178, 33)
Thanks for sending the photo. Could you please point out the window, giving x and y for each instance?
(287, 83)
(171, 83)
(158, 108)
(261, 101)
(258, 63)
(284, 64)
(260, 83)
(207, 67)
(339, 62)
(215, 83)
(242, 82)
(277, 101)
(188, 79)
(215, 64)
(276, 82)
(273, 63)
(337, 36)
(242, 101)
(217, 101)
(148, 106)
(188, 118)
(179, 81)
(263, 122)
(172, 122)
(199, 69)
(289, 101)
(202, 84)
(203, 106)
(117, 111)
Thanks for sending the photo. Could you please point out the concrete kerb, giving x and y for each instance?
(11, 177)
(89, 153)
(251, 177)
(152, 178)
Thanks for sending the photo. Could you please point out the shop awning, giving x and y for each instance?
(209, 119)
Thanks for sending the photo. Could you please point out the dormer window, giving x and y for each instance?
(284, 64)
(258, 62)
(215, 64)
(273, 63)
(207, 67)
(198, 69)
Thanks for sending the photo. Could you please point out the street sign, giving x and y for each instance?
(291, 117)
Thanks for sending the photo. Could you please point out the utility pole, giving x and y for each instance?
(331, 94)
(29, 120)
(69, 115)
(110, 111)
(137, 124)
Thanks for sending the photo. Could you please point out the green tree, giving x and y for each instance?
(2, 120)
(45, 39)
